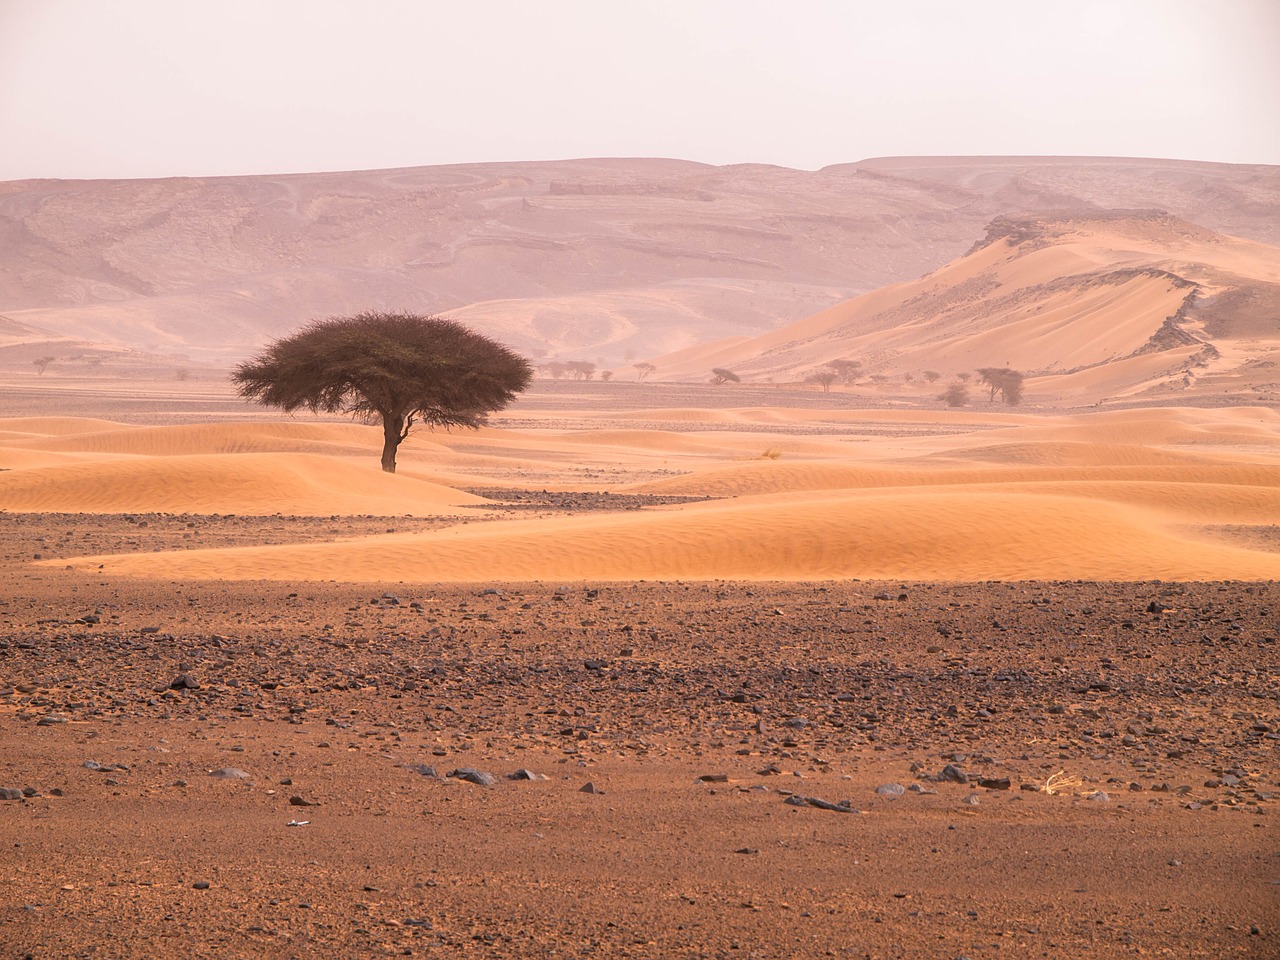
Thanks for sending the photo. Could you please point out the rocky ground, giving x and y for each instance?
(712, 769)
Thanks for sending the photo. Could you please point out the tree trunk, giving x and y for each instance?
(393, 432)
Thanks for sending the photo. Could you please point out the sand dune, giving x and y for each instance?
(1092, 306)
(770, 477)
(255, 484)
(954, 536)
(212, 438)
(880, 493)
(31, 427)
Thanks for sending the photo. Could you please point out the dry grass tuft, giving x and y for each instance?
(1060, 782)
(771, 453)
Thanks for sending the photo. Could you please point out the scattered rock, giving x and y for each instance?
(844, 806)
(523, 774)
(472, 775)
(10, 793)
(891, 790)
(590, 788)
(954, 774)
(228, 773)
(296, 801)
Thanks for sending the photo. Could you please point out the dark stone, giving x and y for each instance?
(472, 775)
(844, 806)
(954, 774)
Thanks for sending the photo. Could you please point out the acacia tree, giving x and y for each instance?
(824, 377)
(397, 368)
(643, 370)
(847, 370)
(580, 369)
(1002, 380)
(42, 363)
(721, 375)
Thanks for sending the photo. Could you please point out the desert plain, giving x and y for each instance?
(742, 671)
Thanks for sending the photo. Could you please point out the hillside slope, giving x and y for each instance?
(609, 260)
(1093, 305)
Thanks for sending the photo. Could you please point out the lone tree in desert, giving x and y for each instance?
(42, 363)
(397, 368)
(824, 377)
(721, 375)
(846, 370)
(1002, 380)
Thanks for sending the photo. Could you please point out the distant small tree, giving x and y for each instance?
(580, 369)
(847, 370)
(956, 395)
(1011, 389)
(182, 374)
(823, 377)
(964, 376)
(396, 368)
(554, 369)
(42, 363)
(721, 375)
(1002, 380)
(606, 375)
(643, 370)
(933, 376)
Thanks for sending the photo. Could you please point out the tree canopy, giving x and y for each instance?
(397, 368)
(1002, 380)
(721, 375)
(824, 377)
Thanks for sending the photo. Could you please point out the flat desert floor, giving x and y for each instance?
(744, 672)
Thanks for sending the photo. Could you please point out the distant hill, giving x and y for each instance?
(1093, 306)
(606, 260)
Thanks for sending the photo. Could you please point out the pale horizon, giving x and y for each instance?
(144, 89)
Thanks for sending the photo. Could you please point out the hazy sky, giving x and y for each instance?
(147, 88)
